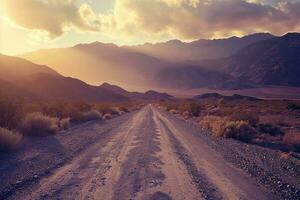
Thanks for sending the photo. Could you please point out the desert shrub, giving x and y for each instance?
(173, 111)
(222, 127)
(124, 109)
(251, 118)
(270, 129)
(115, 111)
(10, 112)
(292, 140)
(64, 123)
(207, 121)
(107, 116)
(91, 115)
(214, 123)
(64, 109)
(104, 108)
(76, 117)
(195, 109)
(293, 106)
(239, 130)
(277, 119)
(9, 139)
(37, 124)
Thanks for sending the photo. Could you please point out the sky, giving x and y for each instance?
(28, 25)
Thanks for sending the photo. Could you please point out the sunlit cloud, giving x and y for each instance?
(143, 20)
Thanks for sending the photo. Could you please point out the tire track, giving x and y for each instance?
(81, 177)
(226, 181)
(204, 186)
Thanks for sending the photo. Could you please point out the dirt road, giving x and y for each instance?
(144, 155)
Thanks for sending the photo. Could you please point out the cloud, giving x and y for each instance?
(144, 20)
(186, 19)
(52, 16)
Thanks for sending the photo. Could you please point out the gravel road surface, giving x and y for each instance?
(148, 154)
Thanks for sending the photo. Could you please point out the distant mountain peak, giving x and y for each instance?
(95, 44)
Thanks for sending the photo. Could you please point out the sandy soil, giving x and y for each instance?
(144, 155)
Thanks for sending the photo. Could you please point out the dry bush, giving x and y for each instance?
(107, 116)
(251, 118)
(64, 123)
(115, 111)
(124, 109)
(239, 130)
(207, 121)
(173, 111)
(278, 119)
(91, 115)
(270, 129)
(293, 106)
(37, 124)
(195, 109)
(64, 109)
(104, 108)
(10, 112)
(222, 127)
(9, 139)
(292, 140)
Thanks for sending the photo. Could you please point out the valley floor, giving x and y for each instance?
(270, 92)
(148, 154)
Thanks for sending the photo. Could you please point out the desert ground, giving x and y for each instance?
(146, 154)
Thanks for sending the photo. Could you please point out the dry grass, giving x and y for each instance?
(37, 124)
(64, 123)
(222, 127)
(208, 121)
(270, 129)
(240, 130)
(11, 112)
(265, 121)
(9, 139)
(91, 115)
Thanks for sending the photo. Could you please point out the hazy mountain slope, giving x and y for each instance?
(196, 77)
(275, 61)
(272, 62)
(26, 79)
(34, 81)
(176, 50)
(51, 86)
(13, 68)
(97, 63)
(11, 91)
(149, 95)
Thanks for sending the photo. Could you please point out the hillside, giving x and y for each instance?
(272, 62)
(36, 81)
(175, 50)
(149, 95)
(97, 63)
(137, 65)
(14, 68)
(60, 87)
(255, 60)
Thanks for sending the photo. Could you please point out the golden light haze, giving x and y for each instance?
(56, 23)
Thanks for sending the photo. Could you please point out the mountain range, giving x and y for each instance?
(176, 50)
(137, 65)
(22, 78)
(252, 61)
(274, 61)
